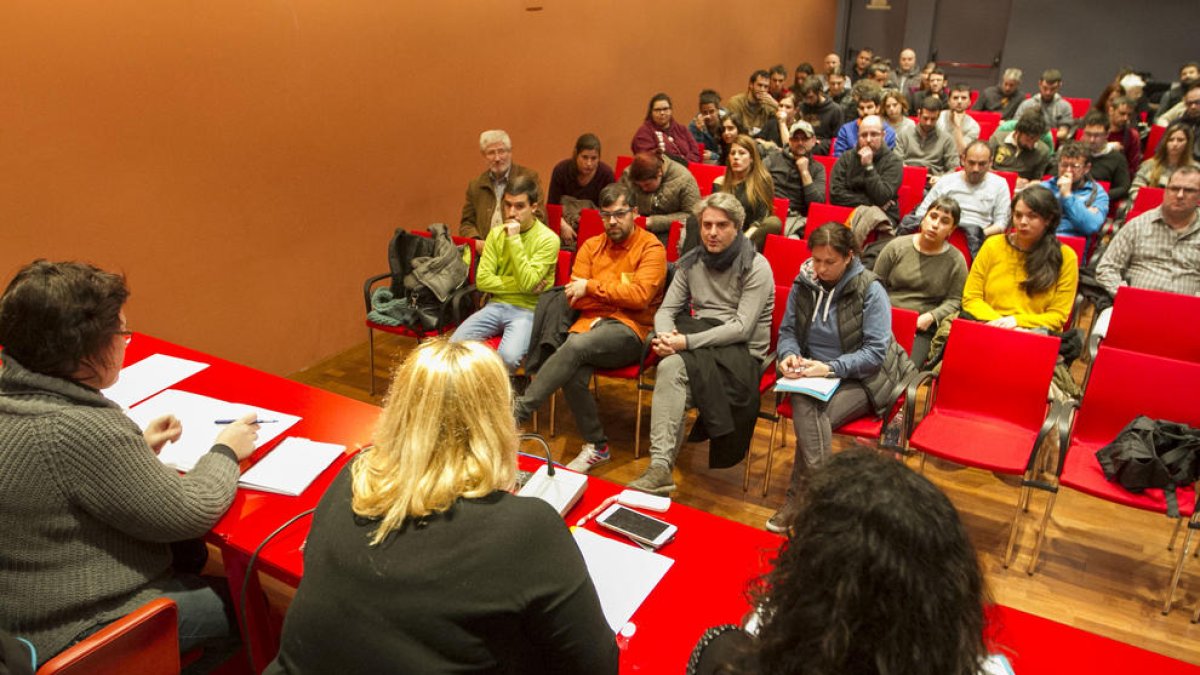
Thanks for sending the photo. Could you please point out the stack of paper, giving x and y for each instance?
(150, 376)
(199, 414)
(623, 574)
(820, 388)
(292, 466)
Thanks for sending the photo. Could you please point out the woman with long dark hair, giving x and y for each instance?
(1025, 278)
(878, 575)
(662, 134)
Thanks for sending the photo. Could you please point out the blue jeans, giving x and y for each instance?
(514, 323)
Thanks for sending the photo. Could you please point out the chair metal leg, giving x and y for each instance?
(921, 464)
(771, 454)
(553, 410)
(1175, 534)
(371, 351)
(1183, 553)
(746, 473)
(637, 427)
(1041, 535)
(1022, 506)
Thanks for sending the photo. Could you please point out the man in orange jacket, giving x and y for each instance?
(616, 285)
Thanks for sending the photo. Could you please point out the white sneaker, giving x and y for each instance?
(590, 457)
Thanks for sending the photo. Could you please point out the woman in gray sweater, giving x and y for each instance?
(89, 511)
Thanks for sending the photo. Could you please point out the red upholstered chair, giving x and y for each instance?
(904, 331)
(826, 161)
(1009, 177)
(785, 256)
(1077, 244)
(1139, 324)
(554, 218)
(1079, 106)
(912, 188)
(988, 122)
(819, 214)
(766, 380)
(623, 162)
(958, 240)
(590, 225)
(146, 642)
(988, 412)
(1123, 385)
(673, 237)
(705, 174)
(974, 96)
(1156, 134)
(1147, 198)
(781, 210)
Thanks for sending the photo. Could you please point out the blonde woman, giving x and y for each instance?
(1174, 150)
(419, 559)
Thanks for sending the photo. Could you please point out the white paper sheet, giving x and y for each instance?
(291, 466)
(150, 376)
(198, 415)
(624, 574)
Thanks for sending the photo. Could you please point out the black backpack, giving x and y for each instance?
(421, 309)
(1153, 454)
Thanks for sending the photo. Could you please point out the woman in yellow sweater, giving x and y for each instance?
(1025, 279)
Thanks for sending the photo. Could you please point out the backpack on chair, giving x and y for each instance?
(428, 291)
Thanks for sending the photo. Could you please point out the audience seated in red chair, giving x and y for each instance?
(1083, 201)
(755, 108)
(927, 144)
(824, 114)
(1022, 150)
(747, 179)
(706, 128)
(838, 323)
(662, 134)
(797, 178)
(482, 209)
(954, 119)
(1049, 103)
(1109, 164)
(982, 196)
(581, 177)
(1172, 153)
(1004, 97)
(923, 273)
(869, 175)
(663, 191)
(616, 286)
(90, 513)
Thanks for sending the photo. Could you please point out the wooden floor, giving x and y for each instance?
(1104, 569)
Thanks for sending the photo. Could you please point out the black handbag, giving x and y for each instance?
(1153, 454)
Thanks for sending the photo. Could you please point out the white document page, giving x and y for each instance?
(198, 415)
(624, 574)
(817, 387)
(292, 466)
(150, 376)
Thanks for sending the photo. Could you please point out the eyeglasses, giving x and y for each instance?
(1069, 165)
(618, 214)
(1189, 191)
(661, 110)
(127, 334)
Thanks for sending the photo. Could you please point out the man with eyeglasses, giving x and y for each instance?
(1160, 249)
(1084, 202)
(616, 286)
(482, 210)
(1109, 164)
(869, 175)
(1187, 112)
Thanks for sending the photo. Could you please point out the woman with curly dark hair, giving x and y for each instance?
(877, 576)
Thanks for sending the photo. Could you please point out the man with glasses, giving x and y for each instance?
(483, 209)
(870, 175)
(1158, 250)
(616, 286)
(1054, 109)
(1109, 164)
(1187, 112)
(1084, 202)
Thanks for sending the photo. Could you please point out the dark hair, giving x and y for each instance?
(1051, 75)
(660, 96)
(710, 96)
(1189, 64)
(960, 86)
(612, 192)
(1118, 101)
(868, 90)
(876, 68)
(866, 50)
(645, 165)
(979, 144)
(759, 73)
(1031, 122)
(938, 71)
(1044, 260)
(834, 235)
(1075, 149)
(1094, 117)
(878, 575)
(839, 71)
(948, 205)
(805, 68)
(932, 104)
(588, 141)
(779, 69)
(58, 317)
(524, 185)
(811, 86)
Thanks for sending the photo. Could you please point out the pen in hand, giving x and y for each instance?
(254, 422)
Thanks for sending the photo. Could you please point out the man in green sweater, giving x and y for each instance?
(517, 264)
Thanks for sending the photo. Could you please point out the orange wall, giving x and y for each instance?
(244, 162)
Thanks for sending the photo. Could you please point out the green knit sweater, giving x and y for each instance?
(920, 281)
(87, 510)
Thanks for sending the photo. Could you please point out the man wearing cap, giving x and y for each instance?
(663, 192)
(797, 179)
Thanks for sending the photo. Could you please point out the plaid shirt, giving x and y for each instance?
(1147, 253)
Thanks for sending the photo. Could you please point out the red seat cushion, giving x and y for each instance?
(1082, 472)
(981, 442)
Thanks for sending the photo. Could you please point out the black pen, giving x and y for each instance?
(254, 422)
